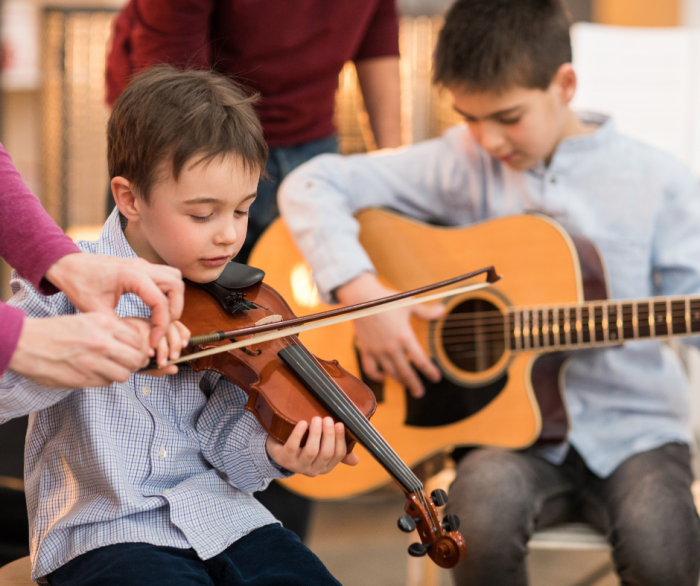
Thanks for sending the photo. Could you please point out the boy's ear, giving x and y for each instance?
(565, 80)
(125, 198)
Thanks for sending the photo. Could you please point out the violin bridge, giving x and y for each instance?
(268, 319)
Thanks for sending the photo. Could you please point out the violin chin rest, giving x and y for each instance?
(239, 276)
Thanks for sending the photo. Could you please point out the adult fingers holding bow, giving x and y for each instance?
(93, 348)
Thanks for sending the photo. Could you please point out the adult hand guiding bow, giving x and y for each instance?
(96, 347)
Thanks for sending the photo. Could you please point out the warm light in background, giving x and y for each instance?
(304, 289)
(637, 12)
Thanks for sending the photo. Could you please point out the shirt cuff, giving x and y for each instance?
(11, 321)
(266, 466)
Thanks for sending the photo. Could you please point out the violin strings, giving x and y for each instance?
(369, 437)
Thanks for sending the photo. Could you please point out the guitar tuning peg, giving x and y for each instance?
(439, 497)
(418, 549)
(406, 523)
(450, 523)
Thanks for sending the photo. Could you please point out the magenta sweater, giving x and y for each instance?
(30, 242)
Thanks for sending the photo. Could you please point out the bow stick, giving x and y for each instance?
(272, 331)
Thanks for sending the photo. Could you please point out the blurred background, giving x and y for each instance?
(52, 122)
(52, 110)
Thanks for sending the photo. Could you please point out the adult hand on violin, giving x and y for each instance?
(386, 341)
(94, 282)
(325, 447)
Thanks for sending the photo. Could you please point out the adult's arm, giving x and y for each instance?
(381, 90)
(37, 249)
(377, 64)
(30, 241)
(149, 32)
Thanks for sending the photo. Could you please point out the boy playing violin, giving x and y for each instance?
(151, 481)
(625, 467)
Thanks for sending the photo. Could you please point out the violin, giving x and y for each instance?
(286, 384)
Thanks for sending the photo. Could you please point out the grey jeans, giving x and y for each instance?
(645, 508)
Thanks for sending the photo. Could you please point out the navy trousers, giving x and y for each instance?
(269, 556)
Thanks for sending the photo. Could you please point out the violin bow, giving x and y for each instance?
(273, 331)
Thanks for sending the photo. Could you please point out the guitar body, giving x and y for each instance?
(487, 397)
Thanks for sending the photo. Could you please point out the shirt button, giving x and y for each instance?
(167, 491)
(553, 180)
(162, 453)
(146, 391)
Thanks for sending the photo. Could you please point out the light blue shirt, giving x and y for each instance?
(639, 205)
(169, 461)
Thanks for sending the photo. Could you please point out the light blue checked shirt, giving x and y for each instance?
(169, 461)
(639, 205)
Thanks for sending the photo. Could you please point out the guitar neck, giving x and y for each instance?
(601, 323)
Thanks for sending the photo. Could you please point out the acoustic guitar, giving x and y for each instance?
(502, 350)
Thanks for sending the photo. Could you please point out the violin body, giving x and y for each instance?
(287, 384)
(276, 396)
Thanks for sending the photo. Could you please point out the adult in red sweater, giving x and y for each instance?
(87, 349)
(290, 51)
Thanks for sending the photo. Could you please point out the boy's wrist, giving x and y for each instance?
(364, 287)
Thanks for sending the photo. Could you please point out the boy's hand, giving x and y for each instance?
(168, 347)
(387, 342)
(325, 447)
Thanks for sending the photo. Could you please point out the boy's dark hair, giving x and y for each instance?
(170, 115)
(495, 45)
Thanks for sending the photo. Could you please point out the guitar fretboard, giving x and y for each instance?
(601, 323)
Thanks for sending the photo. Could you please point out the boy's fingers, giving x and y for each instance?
(327, 449)
(369, 365)
(428, 311)
(174, 342)
(400, 369)
(421, 361)
(158, 372)
(351, 459)
(313, 441)
(185, 333)
(341, 447)
(294, 440)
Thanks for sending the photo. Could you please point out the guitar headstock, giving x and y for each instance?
(440, 540)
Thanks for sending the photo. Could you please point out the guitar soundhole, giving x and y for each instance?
(473, 335)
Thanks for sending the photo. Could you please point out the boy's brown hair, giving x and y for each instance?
(168, 115)
(495, 45)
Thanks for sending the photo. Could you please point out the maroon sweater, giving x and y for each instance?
(291, 51)
(30, 242)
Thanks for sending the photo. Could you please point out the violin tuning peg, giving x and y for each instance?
(439, 497)
(406, 523)
(450, 523)
(417, 550)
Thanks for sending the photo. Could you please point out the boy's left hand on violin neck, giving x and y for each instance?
(325, 447)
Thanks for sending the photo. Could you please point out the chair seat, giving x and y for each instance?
(16, 573)
(569, 536)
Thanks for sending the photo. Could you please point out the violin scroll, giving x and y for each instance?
(439, 540)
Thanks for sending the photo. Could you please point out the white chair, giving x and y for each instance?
(565, 537)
